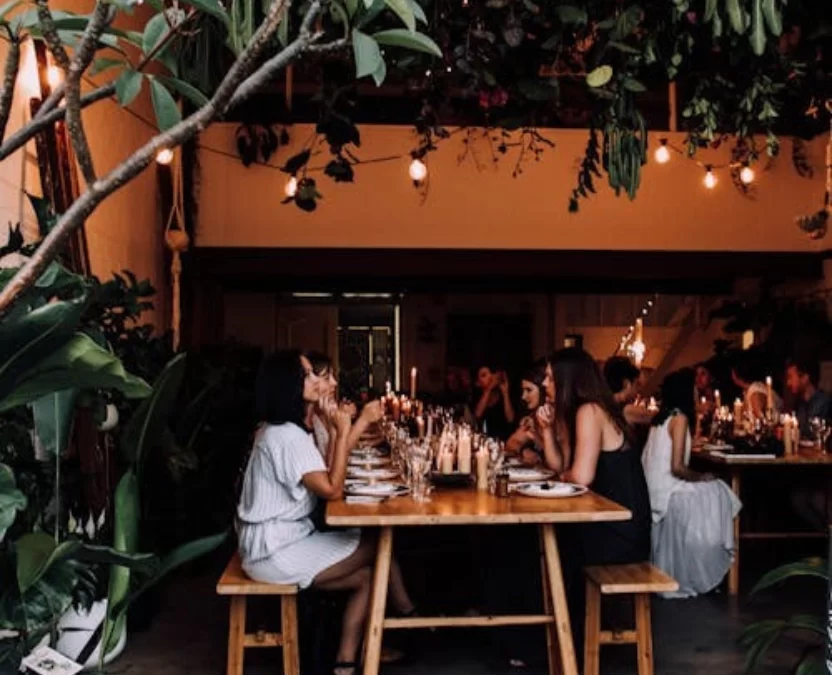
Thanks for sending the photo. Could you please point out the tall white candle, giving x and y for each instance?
(717, 399)
(464, 451)
(482, 469)
(413, 373)
(770, 402)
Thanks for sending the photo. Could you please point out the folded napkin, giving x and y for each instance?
(362, 499)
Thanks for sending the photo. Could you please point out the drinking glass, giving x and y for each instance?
(419, 464)
(820, 430)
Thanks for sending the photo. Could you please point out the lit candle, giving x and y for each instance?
(639, 330)
(413, 373)
(717, 399)
(770, 403)
(396, 405)
(388, 388)
(430, 427)
(447, 464)
(788, 438)
(737, 415)
(464, 451)
(420, 426)
(482, 469)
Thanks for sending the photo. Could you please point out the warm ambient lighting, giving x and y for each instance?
(662, 154)
(164, 156)
(710, 178)
(291, 187)
(54, 76)
(747, 175)
(418, 171)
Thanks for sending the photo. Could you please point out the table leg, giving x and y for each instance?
(734, 572)
(551, 631)
(378, 602)
(561, 610)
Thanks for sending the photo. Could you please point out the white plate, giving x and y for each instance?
(806, 443)
(366, 452)
(520, 474)
(375, 474)
(377, 489)
(369, 462)
(550, 490)
(717, 446)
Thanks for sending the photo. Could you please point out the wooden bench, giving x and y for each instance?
(638, 580)
(236, 584)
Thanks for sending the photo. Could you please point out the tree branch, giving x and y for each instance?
(96, 192)
(9, 79)
(102, 16)
(50, 34)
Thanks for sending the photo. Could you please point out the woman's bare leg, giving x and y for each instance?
(397, 591)
(355, 613)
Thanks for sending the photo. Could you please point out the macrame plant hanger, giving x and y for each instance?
(178, 241)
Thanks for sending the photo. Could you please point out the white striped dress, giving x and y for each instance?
(277, 541)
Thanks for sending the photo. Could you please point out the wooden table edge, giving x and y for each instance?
(374, 519)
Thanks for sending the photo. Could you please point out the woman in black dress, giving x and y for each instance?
(587, 440)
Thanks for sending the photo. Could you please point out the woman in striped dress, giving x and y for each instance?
(285, 477)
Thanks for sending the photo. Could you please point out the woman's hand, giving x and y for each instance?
(545, 416)
(503, 383)
(342, 421)
(372, 412)
(350, 408)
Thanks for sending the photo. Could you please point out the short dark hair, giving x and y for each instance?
(677, 395)
(747, 366)
(810, 367)
(617, 369)
(279, 389)
(321, 363)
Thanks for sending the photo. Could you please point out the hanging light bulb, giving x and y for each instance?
(291, 187)
(710, 178)
(164, 156)
(53, 76)
(662, 154)
(747, 175)
(418, 171)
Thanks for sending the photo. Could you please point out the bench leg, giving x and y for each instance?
(552, 647)
(592, 630)
(644, 634)
(236, 635)
(378, 602)
(289, 630)
(569, 664)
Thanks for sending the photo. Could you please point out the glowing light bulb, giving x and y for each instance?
(662, 154)
(291, 187)
(418, 171)
(54, 76)
(747, 175)
(164, 156)
(710, 179)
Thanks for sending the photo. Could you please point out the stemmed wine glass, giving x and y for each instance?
(821, 430)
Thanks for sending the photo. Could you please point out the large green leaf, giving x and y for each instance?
(8, 7)
(146, 563)
(12, 500)
(176, 558)
(164, 105)
(128, 86)
(599, 77)
(26, 340)
(77, 363)
(212, 7)
(155, 31)
(811, 567)
(36, 552)
(418, 12)
(367, 54)
(181, 87)
(151, 418)
(404, 11)
(53, 415)
(125, 539)
(397, 37)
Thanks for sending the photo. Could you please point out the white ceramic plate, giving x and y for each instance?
(519, 474)
(806, 443)
(717, 446)
(550, 490)
(366, 452)
(375, 474)
(369, 462)
(377, 489)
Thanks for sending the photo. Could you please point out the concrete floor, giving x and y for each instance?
(691, 637)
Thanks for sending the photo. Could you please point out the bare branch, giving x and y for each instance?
(102, 16)
(51, 101)
(50, 34)
(329, 47)
(96, 192)
(9, 79)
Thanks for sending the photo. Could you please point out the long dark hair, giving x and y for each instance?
(279, 389)
(321, 363)
(677, 395)
(578, 381)
(536, 374)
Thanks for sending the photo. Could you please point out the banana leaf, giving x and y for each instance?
(811, 567)
(53, 415)
(12, 500)
(36, 553)
(78, 363)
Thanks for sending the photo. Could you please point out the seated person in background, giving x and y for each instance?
(802, 378)
(494, 411)
(623, 378)
(527, 442)
(747, 375)
(693, 513)
(704, 383)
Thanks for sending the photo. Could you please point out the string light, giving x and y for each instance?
(710, 178)
(747, 175)
(418, 171)
(164, 156)
(291, 187)
(632, 342)
(662, 154)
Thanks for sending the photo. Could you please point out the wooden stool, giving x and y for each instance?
(638, 580)
(235, 583)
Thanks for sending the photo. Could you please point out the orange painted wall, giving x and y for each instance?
(488, 208)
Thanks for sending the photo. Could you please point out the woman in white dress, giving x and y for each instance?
(285, 477)
(746, 375)
(693, 513)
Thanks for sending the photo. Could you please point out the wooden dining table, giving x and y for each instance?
(466, 506)
(736, 467)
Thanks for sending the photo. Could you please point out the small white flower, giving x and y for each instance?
(71, 523)
(101, 519)
(90, 528)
